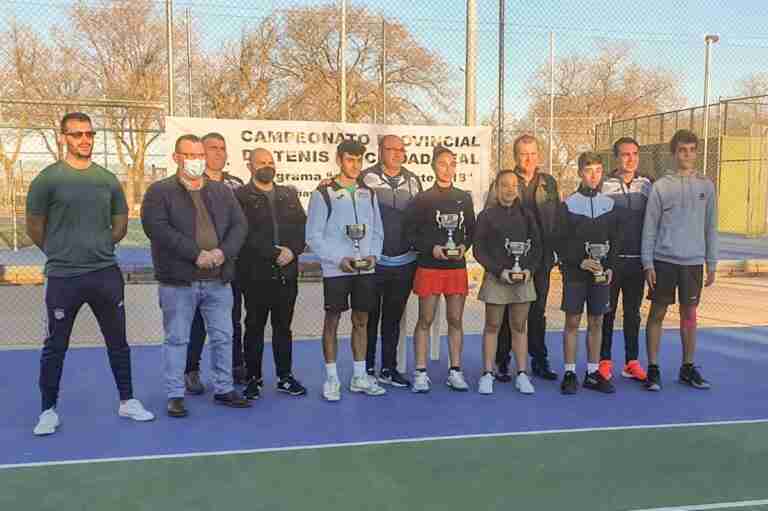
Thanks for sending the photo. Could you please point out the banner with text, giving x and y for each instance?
(305, 152)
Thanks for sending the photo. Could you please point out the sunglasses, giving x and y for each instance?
(80, 134)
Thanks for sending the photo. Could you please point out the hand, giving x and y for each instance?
(710, 278)
(285, 257)
(205, 260)
(437, 253)
(650, 277)
(608, 277)
(506, 277)
(346, 265)
(462, 251)
(371, 262)
(526, 275)
(218, 256)
(590, 265)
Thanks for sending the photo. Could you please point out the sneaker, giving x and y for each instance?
(239, 375)
(176, 408)
(595, 381)
(233, 399)
(605, 368)
(291, 386)
(690, 375)
(367, 385)
(193, 384)
(485, 385)
(47, 424)
(570, 384)
(394, 378)
(634, 370)
(253, 389)
(541, 369)
(523, 384)
(332, 389)
(502, 373)
(653, 380)
(133, 409)
(456, 381)
(421, 382)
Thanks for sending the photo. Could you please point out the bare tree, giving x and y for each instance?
(755, 84)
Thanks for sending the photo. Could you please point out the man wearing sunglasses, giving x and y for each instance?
(76, 213)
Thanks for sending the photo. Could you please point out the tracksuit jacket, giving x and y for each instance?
(630, 200)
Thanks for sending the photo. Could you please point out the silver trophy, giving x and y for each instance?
(598, 252)
(356, 232)
(517, 249)
(450, 222)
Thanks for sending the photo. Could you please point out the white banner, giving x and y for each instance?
(305, 152)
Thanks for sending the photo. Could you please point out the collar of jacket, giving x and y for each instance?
(251, 188)
(442, 189)
(181, 184)
(404, 172)
(585, 190)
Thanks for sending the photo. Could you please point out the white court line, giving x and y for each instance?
(382, 442)
(705, 507)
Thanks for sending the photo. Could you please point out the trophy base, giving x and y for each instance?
(517, 276)
(452, 253)
(361, 264)
(600, 278)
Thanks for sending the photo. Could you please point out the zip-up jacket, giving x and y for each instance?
(168, 219)
(681, 222)
(232, 181)
(587, 216)
(545, 207)
(326, 230)
(394, 194)
(257, 259)
(497, 225)
(422, 230)
(630, 200)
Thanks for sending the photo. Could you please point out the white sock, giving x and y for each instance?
(330, 371)
(591, 368)
(359, 368)
(570, 367)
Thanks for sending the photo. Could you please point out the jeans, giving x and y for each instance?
(178, 304)
(197, 335)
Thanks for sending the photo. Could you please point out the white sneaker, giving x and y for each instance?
(366, 384)
(420, 382)
(523, 384)
(133, 409)
(48, 422)
(332, 389)
(485, 385)
(456, 381)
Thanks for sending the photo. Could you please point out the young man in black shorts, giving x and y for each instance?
(679, 236)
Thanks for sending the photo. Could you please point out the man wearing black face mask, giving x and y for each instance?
(267, 270)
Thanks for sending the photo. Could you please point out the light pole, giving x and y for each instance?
(500, 139)
(169, 52)
(470, 76)
(342, 61)
(708, 40)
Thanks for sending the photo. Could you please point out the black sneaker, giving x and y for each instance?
(595, 381)
(394, 378)
(253, 389)
(541, 369)
(291, 386)
(502, 373)
(570, 384)
(653, 381)
(689, 375)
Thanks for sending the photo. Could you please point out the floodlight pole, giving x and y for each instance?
(708, 40)
(470, 71)
(342, 61)
(500, 138)
(169, 52)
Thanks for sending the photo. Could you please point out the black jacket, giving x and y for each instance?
(631, 201)
(422, 231)
(168, 218)
(587, 216)
(498, 224)
(257, 257)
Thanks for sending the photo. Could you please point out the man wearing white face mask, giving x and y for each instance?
(196, 229)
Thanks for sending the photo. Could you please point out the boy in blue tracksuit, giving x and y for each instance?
(335, 210)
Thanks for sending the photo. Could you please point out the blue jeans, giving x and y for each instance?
(179, 303)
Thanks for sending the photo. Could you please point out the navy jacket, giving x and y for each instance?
(630, 200)
(497, 224)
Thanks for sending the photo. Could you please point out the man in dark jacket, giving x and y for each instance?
(538, 194)
(196, 229)
(267, 270)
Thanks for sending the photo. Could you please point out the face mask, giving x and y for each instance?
(264, 174)
(195, 168)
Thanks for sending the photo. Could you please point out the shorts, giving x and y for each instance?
(437, 281)
(496, 292)
(337, 292)
(686, 279)
(596, 296)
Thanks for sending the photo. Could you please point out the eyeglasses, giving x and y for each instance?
(80, 134)
(192, 156)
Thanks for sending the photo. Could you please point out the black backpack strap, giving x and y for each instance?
(327, 198)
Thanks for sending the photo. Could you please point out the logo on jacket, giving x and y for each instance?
(701, 196)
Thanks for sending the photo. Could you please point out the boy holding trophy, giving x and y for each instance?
(344, 229)
(508, 245)
(589, 243)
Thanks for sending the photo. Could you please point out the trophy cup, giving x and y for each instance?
(517, 249)
(598, 252)
(356, 232)
(450, 222)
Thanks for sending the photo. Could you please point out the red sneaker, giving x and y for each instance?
(606, 369)
(634, 370)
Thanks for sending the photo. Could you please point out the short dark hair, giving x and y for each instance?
(589, 158)
(682, 137)
(351, 147)
(622, 141)
(74, 116)
(213, 136)
(524, 139)
(188, 137)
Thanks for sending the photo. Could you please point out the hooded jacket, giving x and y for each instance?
(630, 200)
(498, 224)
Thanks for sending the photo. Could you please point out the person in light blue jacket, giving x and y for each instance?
(344, 229)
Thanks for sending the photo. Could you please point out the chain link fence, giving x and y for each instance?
(576, 84)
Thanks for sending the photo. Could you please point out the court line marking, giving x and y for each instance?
(383, 442)
(705, 507)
